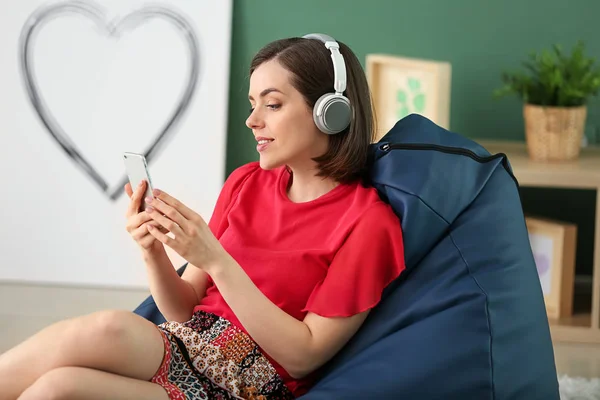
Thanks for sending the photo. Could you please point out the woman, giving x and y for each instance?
(295, 255)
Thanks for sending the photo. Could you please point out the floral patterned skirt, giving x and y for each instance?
(207, 357)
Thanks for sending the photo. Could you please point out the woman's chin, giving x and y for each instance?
(268, 163)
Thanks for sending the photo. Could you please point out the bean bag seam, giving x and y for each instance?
(419, 198)
(487, 312)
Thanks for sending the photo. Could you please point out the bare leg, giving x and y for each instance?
(118, 342)
(77, 383)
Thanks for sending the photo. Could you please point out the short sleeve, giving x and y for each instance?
(231, 188)
(371, 257)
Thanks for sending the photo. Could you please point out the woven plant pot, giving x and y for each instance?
(554, 133)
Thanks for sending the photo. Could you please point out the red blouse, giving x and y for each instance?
(332, 256)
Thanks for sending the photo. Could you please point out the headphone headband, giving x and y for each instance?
(339, 67)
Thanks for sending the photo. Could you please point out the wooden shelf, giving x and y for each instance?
(583, 173)
(576, 320)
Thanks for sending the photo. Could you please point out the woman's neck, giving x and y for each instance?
(305, 186)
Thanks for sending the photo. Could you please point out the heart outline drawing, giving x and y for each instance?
(115, 27)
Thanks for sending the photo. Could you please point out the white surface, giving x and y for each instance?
(577, 388)
(543, 251)
(110, 95)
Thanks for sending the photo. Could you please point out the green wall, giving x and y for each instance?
(480, 38)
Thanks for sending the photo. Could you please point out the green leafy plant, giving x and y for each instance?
(554, 78)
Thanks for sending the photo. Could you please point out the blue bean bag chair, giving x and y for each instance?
(466, 320)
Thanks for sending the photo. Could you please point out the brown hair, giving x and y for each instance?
(310, 63)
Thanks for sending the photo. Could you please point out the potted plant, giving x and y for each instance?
(555, 91)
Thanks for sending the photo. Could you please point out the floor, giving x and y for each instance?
(25, 309)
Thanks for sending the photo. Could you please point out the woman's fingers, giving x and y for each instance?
(136, 199)
(158, 226)
(139, 234)
(128, 189)
(181, 209)
(172, 221)
(147, 241)
(168, 216)
(143, 238)
(137, 220)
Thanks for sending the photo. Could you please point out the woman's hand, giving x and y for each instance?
(192, 238)
(137, 222)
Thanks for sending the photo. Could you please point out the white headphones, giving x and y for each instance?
(332, 112)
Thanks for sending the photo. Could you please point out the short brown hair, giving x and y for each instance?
(310, 63)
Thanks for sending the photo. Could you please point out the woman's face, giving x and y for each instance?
(281, 121)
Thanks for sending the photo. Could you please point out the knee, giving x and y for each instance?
(53, 385)
(102, 327)
(111, 324)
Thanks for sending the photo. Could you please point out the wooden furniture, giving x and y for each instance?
(583, 173)
(554, 245)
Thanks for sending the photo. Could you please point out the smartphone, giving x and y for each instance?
(137, 170)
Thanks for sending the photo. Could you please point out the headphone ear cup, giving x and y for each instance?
(332, 113)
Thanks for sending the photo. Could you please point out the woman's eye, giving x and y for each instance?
(271, 106)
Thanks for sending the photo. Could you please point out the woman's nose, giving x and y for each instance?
(254, 120)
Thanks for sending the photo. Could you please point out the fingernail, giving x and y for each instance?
(149, 209)
(148, 200)
(141, 183)
(156, 192)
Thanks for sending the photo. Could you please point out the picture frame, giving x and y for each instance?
(401, 86)
(553, 244)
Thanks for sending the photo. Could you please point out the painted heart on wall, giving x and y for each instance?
(112, 28)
